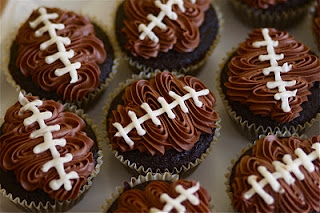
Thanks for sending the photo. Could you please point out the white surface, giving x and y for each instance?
(211, 172)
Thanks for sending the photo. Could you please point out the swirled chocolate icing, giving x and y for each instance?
(17, 155)
(88, 50)
(180, 133)
(181, 35)
(300, 196)
(141, 200)
(247, 83)
(264, 4)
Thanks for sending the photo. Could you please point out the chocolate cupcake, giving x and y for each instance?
(49, 155)
(177, 36)
(161, 124)
(271, 13)
(271, 83)
(157, 193)
(61, 55)
(277, 174)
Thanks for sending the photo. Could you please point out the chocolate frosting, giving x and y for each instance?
(88, 49)
(136, 200)
(181, 35)
(301, 196)
(247, 83)
(180, 133)
(16, 149)
(264, 4)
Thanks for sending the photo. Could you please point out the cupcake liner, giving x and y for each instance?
(166, 176)
(191, 69)
(61, 206)
(260, 18)
(249, 146)
(251, 130)
(132, 167)
(91, 96)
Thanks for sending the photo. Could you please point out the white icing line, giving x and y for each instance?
(48, 143)
(62, 53)
(166, 108)
(283, 95)
(166, 10)
(176, 203)
(283, 171)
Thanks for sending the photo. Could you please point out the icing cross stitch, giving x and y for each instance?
(282, 94)
(166, 108)
(166, 10)
(176, 203)
(48, 143)
(62, 53)
(283, 171)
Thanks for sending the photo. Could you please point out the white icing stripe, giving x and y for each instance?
(176, 203)
(283, 171)
(48, 143)
(166, 10)
(62, 53)
(283, 95)
(166, 108)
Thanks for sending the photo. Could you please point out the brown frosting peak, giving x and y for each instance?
(302, 195)
(264, 4)
(248, 84)
(136, 200)
(17, 155)
(181, 35)
(88, 50)
(180, 133)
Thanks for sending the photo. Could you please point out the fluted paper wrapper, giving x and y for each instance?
(86, 101)
(61, 206)
(167, 176)
(249, 146)
(262, 18)
(132, 167)
(192, 69)
(251, 130)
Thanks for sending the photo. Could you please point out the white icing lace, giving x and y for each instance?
(283, 171)
(166, 10)
(281, 85)
(48, 144)
(166, 108)
(62, 53)
(176, 203)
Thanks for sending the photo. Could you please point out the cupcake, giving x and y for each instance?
(163, 123)
(271, 83)
(61, 55)
(159, 193)
(277, 174)
(49, 155)
(316, 23)
(273, 13)
(177, 36)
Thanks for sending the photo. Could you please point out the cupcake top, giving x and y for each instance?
(164, 196)
(264, 4)
(152, 27)
(272, 74)
(46, 147)
(278, 175)
(61, 53)
(165, 112)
